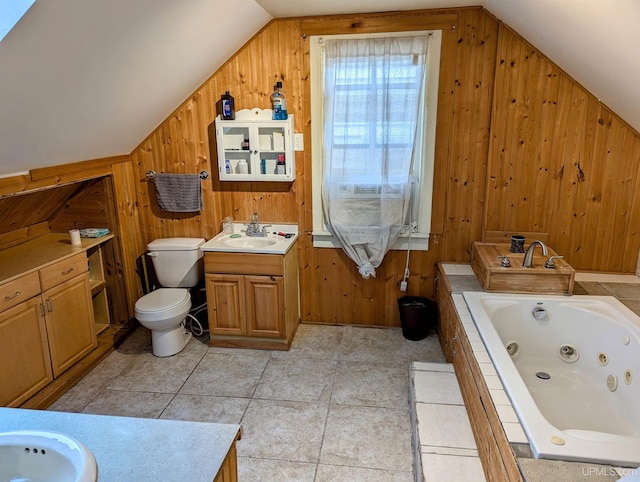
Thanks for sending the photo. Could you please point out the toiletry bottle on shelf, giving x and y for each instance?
(279, 103)
(228, 107)
(242, 167)
(227, 166)
(280, 165)
(245, 144)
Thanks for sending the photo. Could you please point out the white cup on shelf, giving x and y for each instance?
(74, 235)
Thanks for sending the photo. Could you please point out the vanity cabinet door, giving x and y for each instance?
(264, 303)
(24, 353)
(225, 297)
(70, 323)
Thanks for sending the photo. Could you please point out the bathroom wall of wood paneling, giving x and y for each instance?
(520, 147)
(332, 291)
(561, 162)
(93, 193)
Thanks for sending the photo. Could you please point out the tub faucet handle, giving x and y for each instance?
(550, 264)
(505, 263)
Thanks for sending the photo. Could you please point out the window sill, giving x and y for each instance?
(419, 241)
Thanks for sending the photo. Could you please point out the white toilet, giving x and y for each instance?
(178, 263)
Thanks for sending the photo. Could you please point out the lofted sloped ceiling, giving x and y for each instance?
(83, 79)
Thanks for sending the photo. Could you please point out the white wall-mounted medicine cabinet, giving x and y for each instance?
(254, 147)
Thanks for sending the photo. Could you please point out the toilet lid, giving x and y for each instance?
(163, 299)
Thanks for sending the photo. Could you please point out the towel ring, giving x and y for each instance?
(151, 174)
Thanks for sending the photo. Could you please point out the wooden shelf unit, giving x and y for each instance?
(98, 283)
(57, 293)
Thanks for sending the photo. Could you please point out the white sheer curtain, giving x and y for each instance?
(373, 90)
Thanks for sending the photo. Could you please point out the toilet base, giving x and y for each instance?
(169, 342)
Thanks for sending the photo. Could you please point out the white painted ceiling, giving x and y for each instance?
(83, 79)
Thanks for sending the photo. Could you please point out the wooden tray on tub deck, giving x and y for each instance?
(485, 263)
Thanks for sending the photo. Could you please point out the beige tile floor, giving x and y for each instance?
(333, 408)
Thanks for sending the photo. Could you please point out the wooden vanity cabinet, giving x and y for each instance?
(225, 299)
(69, 321)
(46, 326)
(252, 299)
(24, 352)
(246, 305)
(265, 306)
(68, 311)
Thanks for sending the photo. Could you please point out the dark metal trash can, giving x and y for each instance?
(418, 316)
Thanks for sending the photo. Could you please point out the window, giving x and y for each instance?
(363, 135)
(11, 11)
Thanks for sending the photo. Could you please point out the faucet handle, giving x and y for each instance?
(505, 263)
(550, 264)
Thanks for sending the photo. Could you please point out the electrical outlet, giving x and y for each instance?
(298, 141)
(403, 286)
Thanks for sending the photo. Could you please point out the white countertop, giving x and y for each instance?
(139, 449)
(239, 242)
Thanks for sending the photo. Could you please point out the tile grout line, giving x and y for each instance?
(185, 379)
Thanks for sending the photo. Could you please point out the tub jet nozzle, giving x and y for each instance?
(568, 353)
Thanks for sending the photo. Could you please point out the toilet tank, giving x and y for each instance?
(178, 262)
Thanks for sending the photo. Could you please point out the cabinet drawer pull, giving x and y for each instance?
(66, 272)
(10, 297)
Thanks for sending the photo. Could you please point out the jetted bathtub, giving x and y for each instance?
(571, 367)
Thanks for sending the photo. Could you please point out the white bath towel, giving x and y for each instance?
(179, 193)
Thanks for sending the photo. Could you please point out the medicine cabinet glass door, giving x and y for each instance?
(254, 147)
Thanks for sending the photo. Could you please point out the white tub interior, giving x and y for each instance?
(572, 371)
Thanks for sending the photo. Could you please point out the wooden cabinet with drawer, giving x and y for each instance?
(252, 299)
(46, 326)
(68, 311)
(15, 292)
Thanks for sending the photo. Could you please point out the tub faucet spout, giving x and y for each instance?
(528, 257)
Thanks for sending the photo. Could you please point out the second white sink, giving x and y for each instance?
(42, 456)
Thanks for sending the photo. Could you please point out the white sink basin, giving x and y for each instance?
(239, 242)
(41, 456)
(249, 242)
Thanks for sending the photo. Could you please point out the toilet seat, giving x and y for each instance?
(163, 303)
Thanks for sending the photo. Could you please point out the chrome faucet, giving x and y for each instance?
(528, 256)
(254, 229)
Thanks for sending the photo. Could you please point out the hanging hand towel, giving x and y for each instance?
(179, 193)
